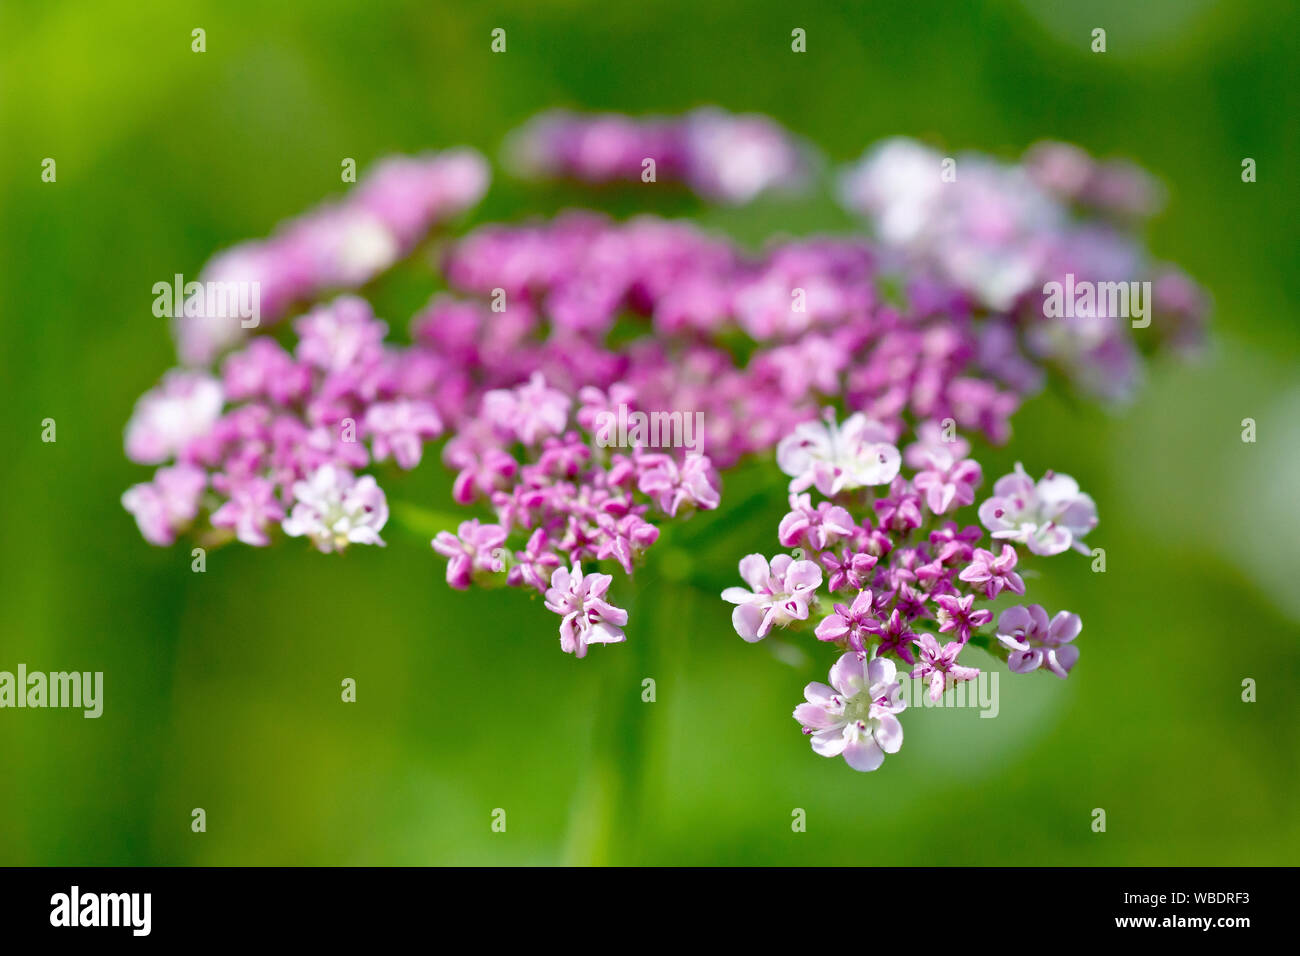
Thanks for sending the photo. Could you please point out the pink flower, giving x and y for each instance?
(335, 509)
(586, 617)
(939, 665)
(895, 635)
(848, 570)
(265, 370)
(835, 458)
(818, 527)
(732, 159)
(529, 413)
(400, 429)
(694, 482)
(533, 565)
(251, 507)
(625, 538)
(856, 623)
(855, 717)
(475, 547)
(955, 615)
(1050, 516)
(779, 593)
(900, 510)
(930, 438)
(340, 335)
(994, 573)
(947, 482)
(955, 545)
(165, 506)
(1035, 643)
(183, 407)
(481, 469)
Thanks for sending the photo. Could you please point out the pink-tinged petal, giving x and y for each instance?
(608, 613)
(569, 640)
(1079, 515)
(597, 585)
(459, 570)
(738, 595)
(820, 694)
(791, 529)
(1061, 659)
(747, 619)
(1055, 488)
(940, 497)
(864, 754)
(993, 514)
(560, 579)
(881, 670)
(1024, 662)
(1013, 643)
(1047, 541)
(1015, 484)
(1065, 627)
(847, 675)
(832, 628)
(889, 733)
(829, 742)
(754, 571)
(937, 682)
(803, 574)
(863, 603)
(810, 715)
(796, 607)
(602, 632)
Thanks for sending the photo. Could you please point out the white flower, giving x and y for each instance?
(335, 509)
(836, 458)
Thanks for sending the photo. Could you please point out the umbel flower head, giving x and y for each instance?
(858, 372)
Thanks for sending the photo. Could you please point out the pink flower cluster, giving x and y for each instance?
(1000, 232)
(274, 440)
(814, 309)
(547, 327)
(721, 156)
(883, 569)
(568, 500)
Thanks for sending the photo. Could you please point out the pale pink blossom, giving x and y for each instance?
(1035, 642)
(586, 617)
(166, 505)
(834, 458)
(183, 407)
(856, 717)
(399, 429)
(1050, 516)
(780, 593)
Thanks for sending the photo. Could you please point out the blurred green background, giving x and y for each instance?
(222, 689)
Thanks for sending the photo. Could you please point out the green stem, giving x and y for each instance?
(606, 816)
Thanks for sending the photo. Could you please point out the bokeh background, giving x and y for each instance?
(222, 689)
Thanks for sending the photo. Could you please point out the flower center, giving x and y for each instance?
(858, 708)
